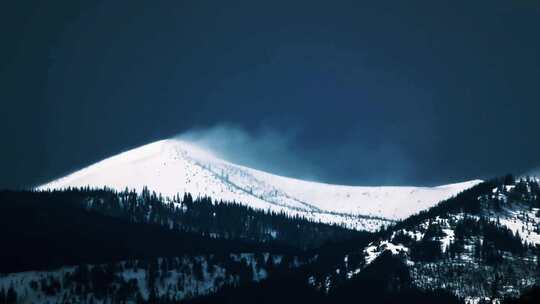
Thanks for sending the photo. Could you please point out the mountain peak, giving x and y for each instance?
(174, 166)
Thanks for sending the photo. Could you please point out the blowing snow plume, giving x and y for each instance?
(265, 149)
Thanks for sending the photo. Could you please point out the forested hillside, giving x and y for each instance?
(482, 245)
(101, 246)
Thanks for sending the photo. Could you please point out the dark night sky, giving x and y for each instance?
(355, 92)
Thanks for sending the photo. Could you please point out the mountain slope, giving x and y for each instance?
(482, 246)
(173, 167)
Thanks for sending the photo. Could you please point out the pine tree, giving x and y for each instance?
(495, 287)
(508, 179)
(11, 296)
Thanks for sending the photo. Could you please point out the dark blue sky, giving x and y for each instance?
(362, 92)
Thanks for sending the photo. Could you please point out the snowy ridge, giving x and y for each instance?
(174, 166)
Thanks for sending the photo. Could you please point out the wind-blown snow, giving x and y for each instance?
(174, 166)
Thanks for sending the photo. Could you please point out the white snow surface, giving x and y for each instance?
(374, 251)
(174, 166)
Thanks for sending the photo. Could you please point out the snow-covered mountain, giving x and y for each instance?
(173, 167)
(482, 246)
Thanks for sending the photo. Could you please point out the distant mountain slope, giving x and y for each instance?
(173, 167)
(482, 246)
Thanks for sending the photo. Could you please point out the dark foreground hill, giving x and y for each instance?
(101, 246)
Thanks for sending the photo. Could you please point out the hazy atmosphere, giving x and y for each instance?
(364, 94)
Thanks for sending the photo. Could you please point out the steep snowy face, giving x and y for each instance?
(173, 167)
